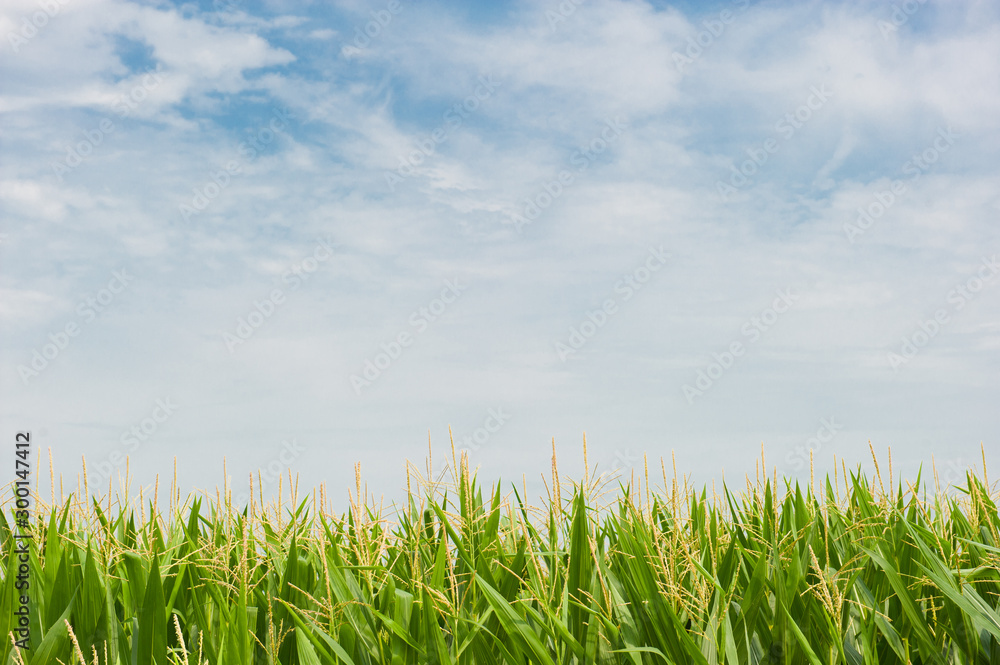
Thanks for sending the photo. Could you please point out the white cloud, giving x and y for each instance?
(67, 62)
(355, 114)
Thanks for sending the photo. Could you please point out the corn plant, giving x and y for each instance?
(604, 571)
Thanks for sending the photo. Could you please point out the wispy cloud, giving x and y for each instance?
(161, 97)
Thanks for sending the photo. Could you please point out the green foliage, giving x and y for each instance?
(856, 576)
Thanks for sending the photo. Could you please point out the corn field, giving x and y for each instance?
(854, 569)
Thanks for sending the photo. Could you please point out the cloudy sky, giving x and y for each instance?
(305, 234)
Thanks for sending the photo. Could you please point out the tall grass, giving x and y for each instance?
(856, 572)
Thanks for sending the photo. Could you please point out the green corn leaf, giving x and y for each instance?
(152, 638)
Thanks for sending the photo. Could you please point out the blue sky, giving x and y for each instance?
(251, 231)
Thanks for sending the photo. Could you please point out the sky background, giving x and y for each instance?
(353, 159)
